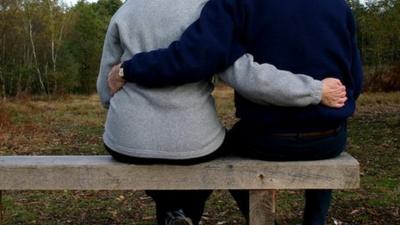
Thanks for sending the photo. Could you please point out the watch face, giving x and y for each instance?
(121, 72)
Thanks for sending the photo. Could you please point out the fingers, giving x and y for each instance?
(114, 81)
(340, 102)
(339, 91)
(335, 99)
(337, 87)
(337, 102)
(334, 80)
(333, 93)
(115, 86)
(340, 87)
(114, 90)
(332, 83)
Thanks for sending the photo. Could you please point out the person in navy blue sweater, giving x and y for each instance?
(315, 37)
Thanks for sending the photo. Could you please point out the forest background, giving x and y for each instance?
(49, 48)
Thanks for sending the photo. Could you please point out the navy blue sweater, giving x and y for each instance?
(315, 37)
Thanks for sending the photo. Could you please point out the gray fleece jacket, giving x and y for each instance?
(179, 122)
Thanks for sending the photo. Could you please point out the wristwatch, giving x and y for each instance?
(121, 72)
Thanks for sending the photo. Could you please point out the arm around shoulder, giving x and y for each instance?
(208, 46)
(265, 84)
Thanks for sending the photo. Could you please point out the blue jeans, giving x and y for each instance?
(257, 142)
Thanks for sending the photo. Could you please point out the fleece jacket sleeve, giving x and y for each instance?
(265, 84)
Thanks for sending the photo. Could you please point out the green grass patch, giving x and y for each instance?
(74, 125)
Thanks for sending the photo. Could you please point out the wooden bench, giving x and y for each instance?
(103, 173)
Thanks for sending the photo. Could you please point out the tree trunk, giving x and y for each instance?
(39, 73)
(3, 85)
(2, 58)
(52, 34)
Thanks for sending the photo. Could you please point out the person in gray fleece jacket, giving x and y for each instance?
(180, 123)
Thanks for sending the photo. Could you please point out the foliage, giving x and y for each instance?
(385, 80)
(47, 48)
(379, 42)
(379, 31)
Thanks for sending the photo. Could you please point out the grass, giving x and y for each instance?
(74, 125)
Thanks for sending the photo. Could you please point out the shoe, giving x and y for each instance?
(177, 217)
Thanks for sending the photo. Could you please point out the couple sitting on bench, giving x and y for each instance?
(160, 108)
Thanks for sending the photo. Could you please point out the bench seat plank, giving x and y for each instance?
(104, 173)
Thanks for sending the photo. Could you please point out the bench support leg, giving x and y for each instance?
(262, 207)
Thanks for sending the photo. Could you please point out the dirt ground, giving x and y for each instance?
(73, 125)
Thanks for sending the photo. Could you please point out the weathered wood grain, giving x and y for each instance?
(103, 173)
(262, 207)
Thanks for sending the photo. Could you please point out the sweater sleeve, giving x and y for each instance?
(356, 65)
(208, 46)
(111, 56)
(265, 84)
